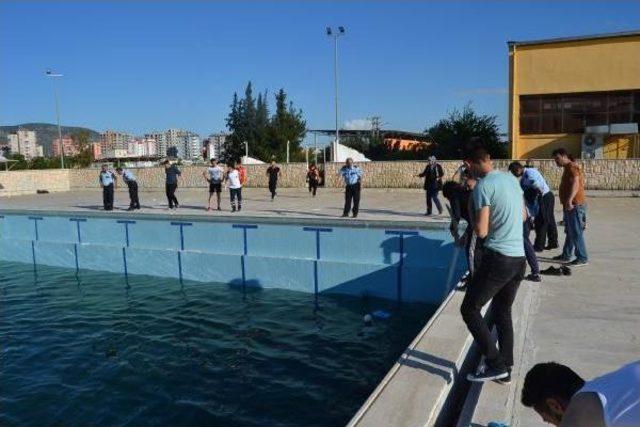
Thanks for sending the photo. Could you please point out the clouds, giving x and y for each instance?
(357, 124)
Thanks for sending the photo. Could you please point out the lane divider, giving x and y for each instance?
(400, 234)
(78, 221)
(316, 230)
(126, 223)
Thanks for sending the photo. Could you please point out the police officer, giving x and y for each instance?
(352, 176)
(130, 179)
(107, 180)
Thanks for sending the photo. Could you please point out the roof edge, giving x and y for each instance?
(575, 38)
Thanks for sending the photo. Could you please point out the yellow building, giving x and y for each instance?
(559, 89)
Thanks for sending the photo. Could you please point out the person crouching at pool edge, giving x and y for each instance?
(562, 398)
(130, 179)
(107, 180)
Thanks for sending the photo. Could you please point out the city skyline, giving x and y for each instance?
(420, 60)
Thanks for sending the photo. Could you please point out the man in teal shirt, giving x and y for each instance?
(500, 214)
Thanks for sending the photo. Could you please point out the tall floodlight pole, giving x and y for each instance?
(55, 95)
(335, 35)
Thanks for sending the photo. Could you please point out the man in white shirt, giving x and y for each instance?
(562, 398)
(214, 176)
(235, 187)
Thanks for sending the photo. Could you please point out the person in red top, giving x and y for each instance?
(313, 178)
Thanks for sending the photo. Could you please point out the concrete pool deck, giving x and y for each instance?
(586, 321)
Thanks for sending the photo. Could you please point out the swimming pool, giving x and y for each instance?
(386, 260)
(96, 349)
(184, 320)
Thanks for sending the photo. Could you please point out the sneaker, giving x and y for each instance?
(488, 374)
(239, 208)
(552, 271)
(565, 270)
(550, 247)
(233, 208)
(219, 208)
(506, 380)
(354, 216)
(578, 263)
(427, 214)
(560, 258)
(344, 215)
(533, 278)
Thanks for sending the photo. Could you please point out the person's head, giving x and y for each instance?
(239, 162)
(349, 162)
(312, 165)
(166, 164)
(432, 159)
(548, 389)
(516, 169)
(104, 167)
(232, 165)
(561, 157)
(273, 162)
(214, 162)
(119, 170)
(481, 163)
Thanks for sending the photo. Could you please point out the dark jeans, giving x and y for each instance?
(171, 194)
(351, 194)
(574, 223)
(529, 252)
(133, 194)
(235, 195)
(272, 188)
(498, 278)
(545, 223)
(313, 186)
(432, 195)
(473, 248)
(107, 197)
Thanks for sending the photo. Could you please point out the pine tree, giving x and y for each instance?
(233, 145)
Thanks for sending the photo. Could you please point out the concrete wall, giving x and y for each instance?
(15, 183)
(612, 175)
(600, 174)
(406, 265)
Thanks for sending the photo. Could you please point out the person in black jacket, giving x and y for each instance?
(432, 175)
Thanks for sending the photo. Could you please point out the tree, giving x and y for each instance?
(455, 135)
(287, 124)
(249, 121)
(83, 143)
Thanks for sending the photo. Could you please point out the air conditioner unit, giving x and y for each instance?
(593, 146)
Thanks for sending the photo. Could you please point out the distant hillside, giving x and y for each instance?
(46, 133)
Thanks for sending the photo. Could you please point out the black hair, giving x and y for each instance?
(478, 154)
(212, 160)
(118, 169)
(549, 380)
(559, 151)
(515, 166)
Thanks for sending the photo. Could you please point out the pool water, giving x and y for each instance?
(98, 349)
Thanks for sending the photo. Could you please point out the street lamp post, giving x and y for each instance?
(55, 95)
(335, 35)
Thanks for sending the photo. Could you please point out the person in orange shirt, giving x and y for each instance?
(241, 171)
(574, 209)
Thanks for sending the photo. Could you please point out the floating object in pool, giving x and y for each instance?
(497, 424)
(381, 314)
(368, 320)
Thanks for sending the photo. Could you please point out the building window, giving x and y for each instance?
(570, 113)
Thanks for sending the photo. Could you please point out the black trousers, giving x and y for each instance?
(171, 194)
(313, 186)
(351, 194)
(497, 278)
(545, 223)
(107, 197)
(134, 202)
(235, 194)
(272, 188)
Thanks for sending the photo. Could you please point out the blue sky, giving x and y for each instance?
(140, 66)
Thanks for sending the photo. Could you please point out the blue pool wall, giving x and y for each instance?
(405, 264)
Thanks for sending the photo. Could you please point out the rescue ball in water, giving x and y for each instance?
(368, 320)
